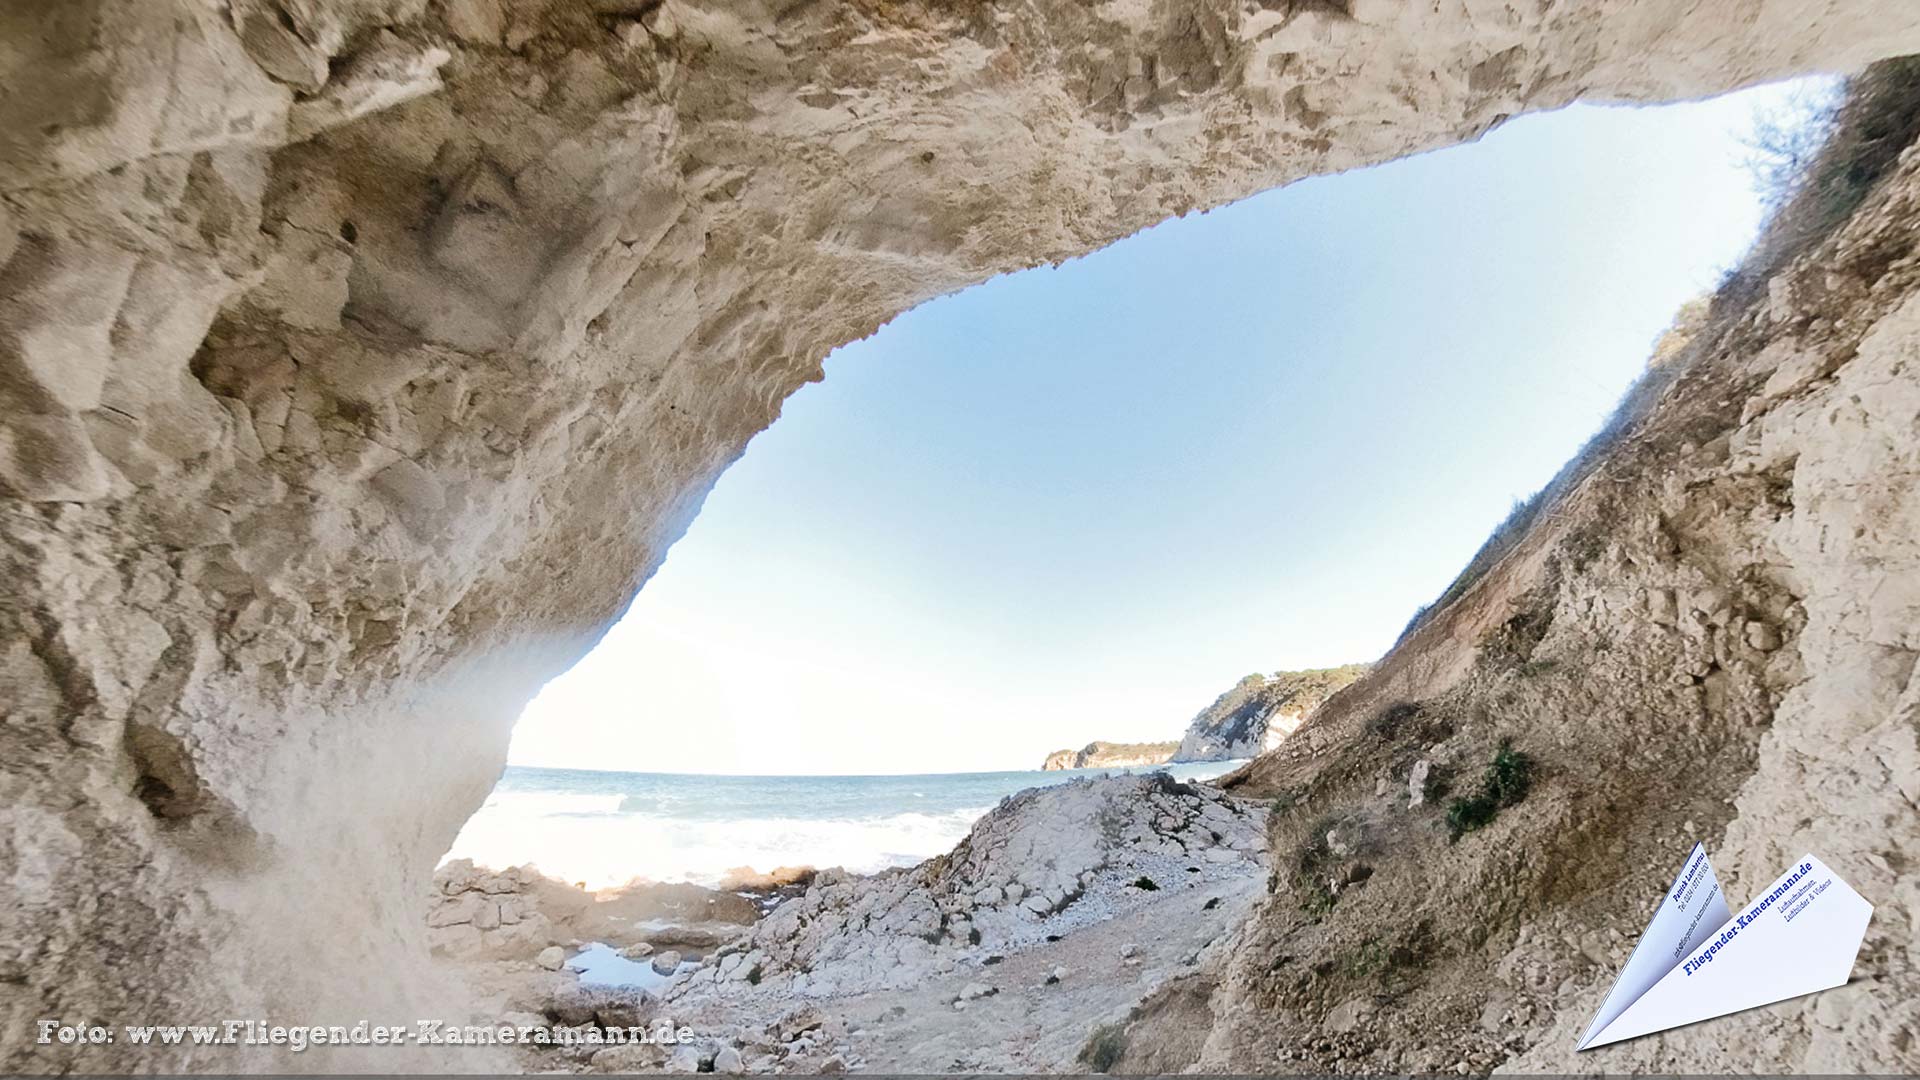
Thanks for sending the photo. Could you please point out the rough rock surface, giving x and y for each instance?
(910, 970)
(1260, 712)
(1042, 893)
(517, 912)
(1043, 861)
(361, 358)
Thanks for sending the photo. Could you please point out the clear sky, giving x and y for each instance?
(1079, 503)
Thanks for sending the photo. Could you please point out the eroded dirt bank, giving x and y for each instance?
(1709, 633)
(360, 359)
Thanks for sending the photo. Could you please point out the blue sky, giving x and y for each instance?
(1079, 502)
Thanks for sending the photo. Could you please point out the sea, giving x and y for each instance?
(603, 829)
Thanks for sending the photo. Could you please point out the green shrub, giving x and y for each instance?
(1146, 884)
(1105, 1047)
(1508, 778)
(1369, 959)
(1467, 814)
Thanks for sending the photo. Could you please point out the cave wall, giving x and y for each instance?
(361, 358)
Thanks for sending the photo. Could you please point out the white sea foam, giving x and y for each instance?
(603, 848)
(550, 803)
(608, 828)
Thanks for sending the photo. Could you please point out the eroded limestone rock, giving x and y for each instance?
(361, 358)
(1043, 863)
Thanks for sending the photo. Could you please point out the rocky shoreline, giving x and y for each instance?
(1063, 909)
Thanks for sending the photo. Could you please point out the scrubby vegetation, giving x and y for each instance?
(1312, 859)
(1371, 958)
(1105, 1047)
(1815, 160)
(1508, 778)
(1785, 140)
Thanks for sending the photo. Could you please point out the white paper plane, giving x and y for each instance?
(1697, 960)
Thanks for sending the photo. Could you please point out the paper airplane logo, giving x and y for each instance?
(1698, 960)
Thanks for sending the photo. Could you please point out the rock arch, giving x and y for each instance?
(361, 358)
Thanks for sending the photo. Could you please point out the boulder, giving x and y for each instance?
(1417, 782)
(687, 1058)
(798, 1022)
(457, 911)
(630, 1058)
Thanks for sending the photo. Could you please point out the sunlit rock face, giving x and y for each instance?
(1259, 712)
(360, 359)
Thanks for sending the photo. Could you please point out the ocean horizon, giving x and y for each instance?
(602, 828)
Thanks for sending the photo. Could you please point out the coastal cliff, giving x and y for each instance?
(1260, 711)
(1109, 755)
(1251, 718)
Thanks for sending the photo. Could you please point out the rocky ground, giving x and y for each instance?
(1060, 913)
(517, 913)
